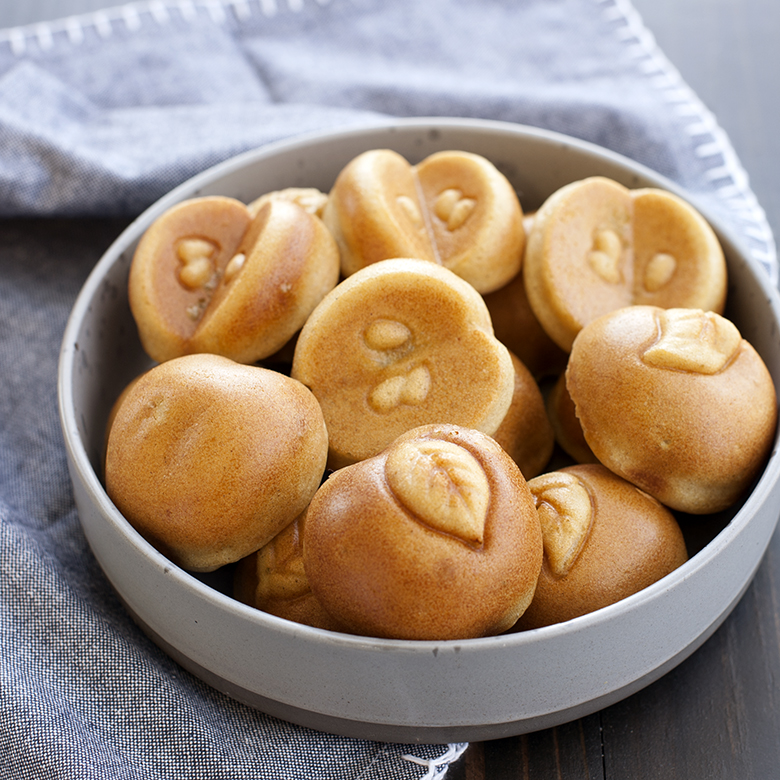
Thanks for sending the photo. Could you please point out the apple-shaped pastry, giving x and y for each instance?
(675, 401)
(398, 344)
(604, 539)
(209, 459)
(437, 538)
(596, 246)
(209, 276)
(453, 208)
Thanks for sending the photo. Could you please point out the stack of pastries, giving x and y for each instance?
(406, 409)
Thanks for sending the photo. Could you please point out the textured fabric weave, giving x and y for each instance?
(102, 114)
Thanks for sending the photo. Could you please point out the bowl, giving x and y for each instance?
(392, 690)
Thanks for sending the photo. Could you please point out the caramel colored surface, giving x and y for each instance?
(629, 542)
(376, 563)
(691, 437)
(209, 459)
(399, 344)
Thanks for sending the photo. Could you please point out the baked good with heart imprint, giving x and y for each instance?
(435, 538)
(453, 208)
(398, 344)
(209, 459)
(596, 246)
(675, 401)
(209, 276)
(604, 540)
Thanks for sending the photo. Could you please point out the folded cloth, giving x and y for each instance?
(103, 113)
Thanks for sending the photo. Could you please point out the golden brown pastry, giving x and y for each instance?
(525, 432)
(273, 579)
(675, 401)
(308, 198)
(596, 246)
(604, 539)
(435, 538)
(399, 344)
(207, 276)
(516, 326)
(567, 428)
(209, 459)
(454, 208)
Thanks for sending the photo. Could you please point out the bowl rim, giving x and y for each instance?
(80, 458)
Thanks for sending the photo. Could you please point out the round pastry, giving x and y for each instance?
(435, 538)
(517, 327)
(596, 246)
(675, 401)
(399, 344)
(273, 579)
(308, 198)
(563, 418)
(604, 539)
(209, 459)
(207, 276)
(525, 432)
(453, 208)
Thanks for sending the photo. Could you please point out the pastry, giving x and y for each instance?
(675, 401)
(563, 418)
(435, 538)
(453, 208)
(525, 432)
(209, 459)
(399, 344)
(517, 327)
(596, 246)
(273, 580)
(207, 276)
(604, 540)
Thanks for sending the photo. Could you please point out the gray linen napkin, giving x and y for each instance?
(102, 114)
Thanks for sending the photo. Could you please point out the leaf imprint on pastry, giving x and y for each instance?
(565, 513)
(442, 484)
(280, 566)
(693, 340)
(453, 208)
(403, 389)
(605, 255)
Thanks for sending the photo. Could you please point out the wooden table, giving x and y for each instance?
(717, 715)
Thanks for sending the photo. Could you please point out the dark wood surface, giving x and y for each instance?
(717, 715)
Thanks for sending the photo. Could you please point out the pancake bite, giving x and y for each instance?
(273, 580)
(675, 401)
(402, 343)
(604, 539)
(563, 418)
(596, 246)
(435, 538)
(209, 276)
(209, 459)
(454, 208)
(525, 432)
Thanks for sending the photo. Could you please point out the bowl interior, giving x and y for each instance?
(101, 353)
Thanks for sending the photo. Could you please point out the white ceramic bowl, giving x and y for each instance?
(400, 690)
